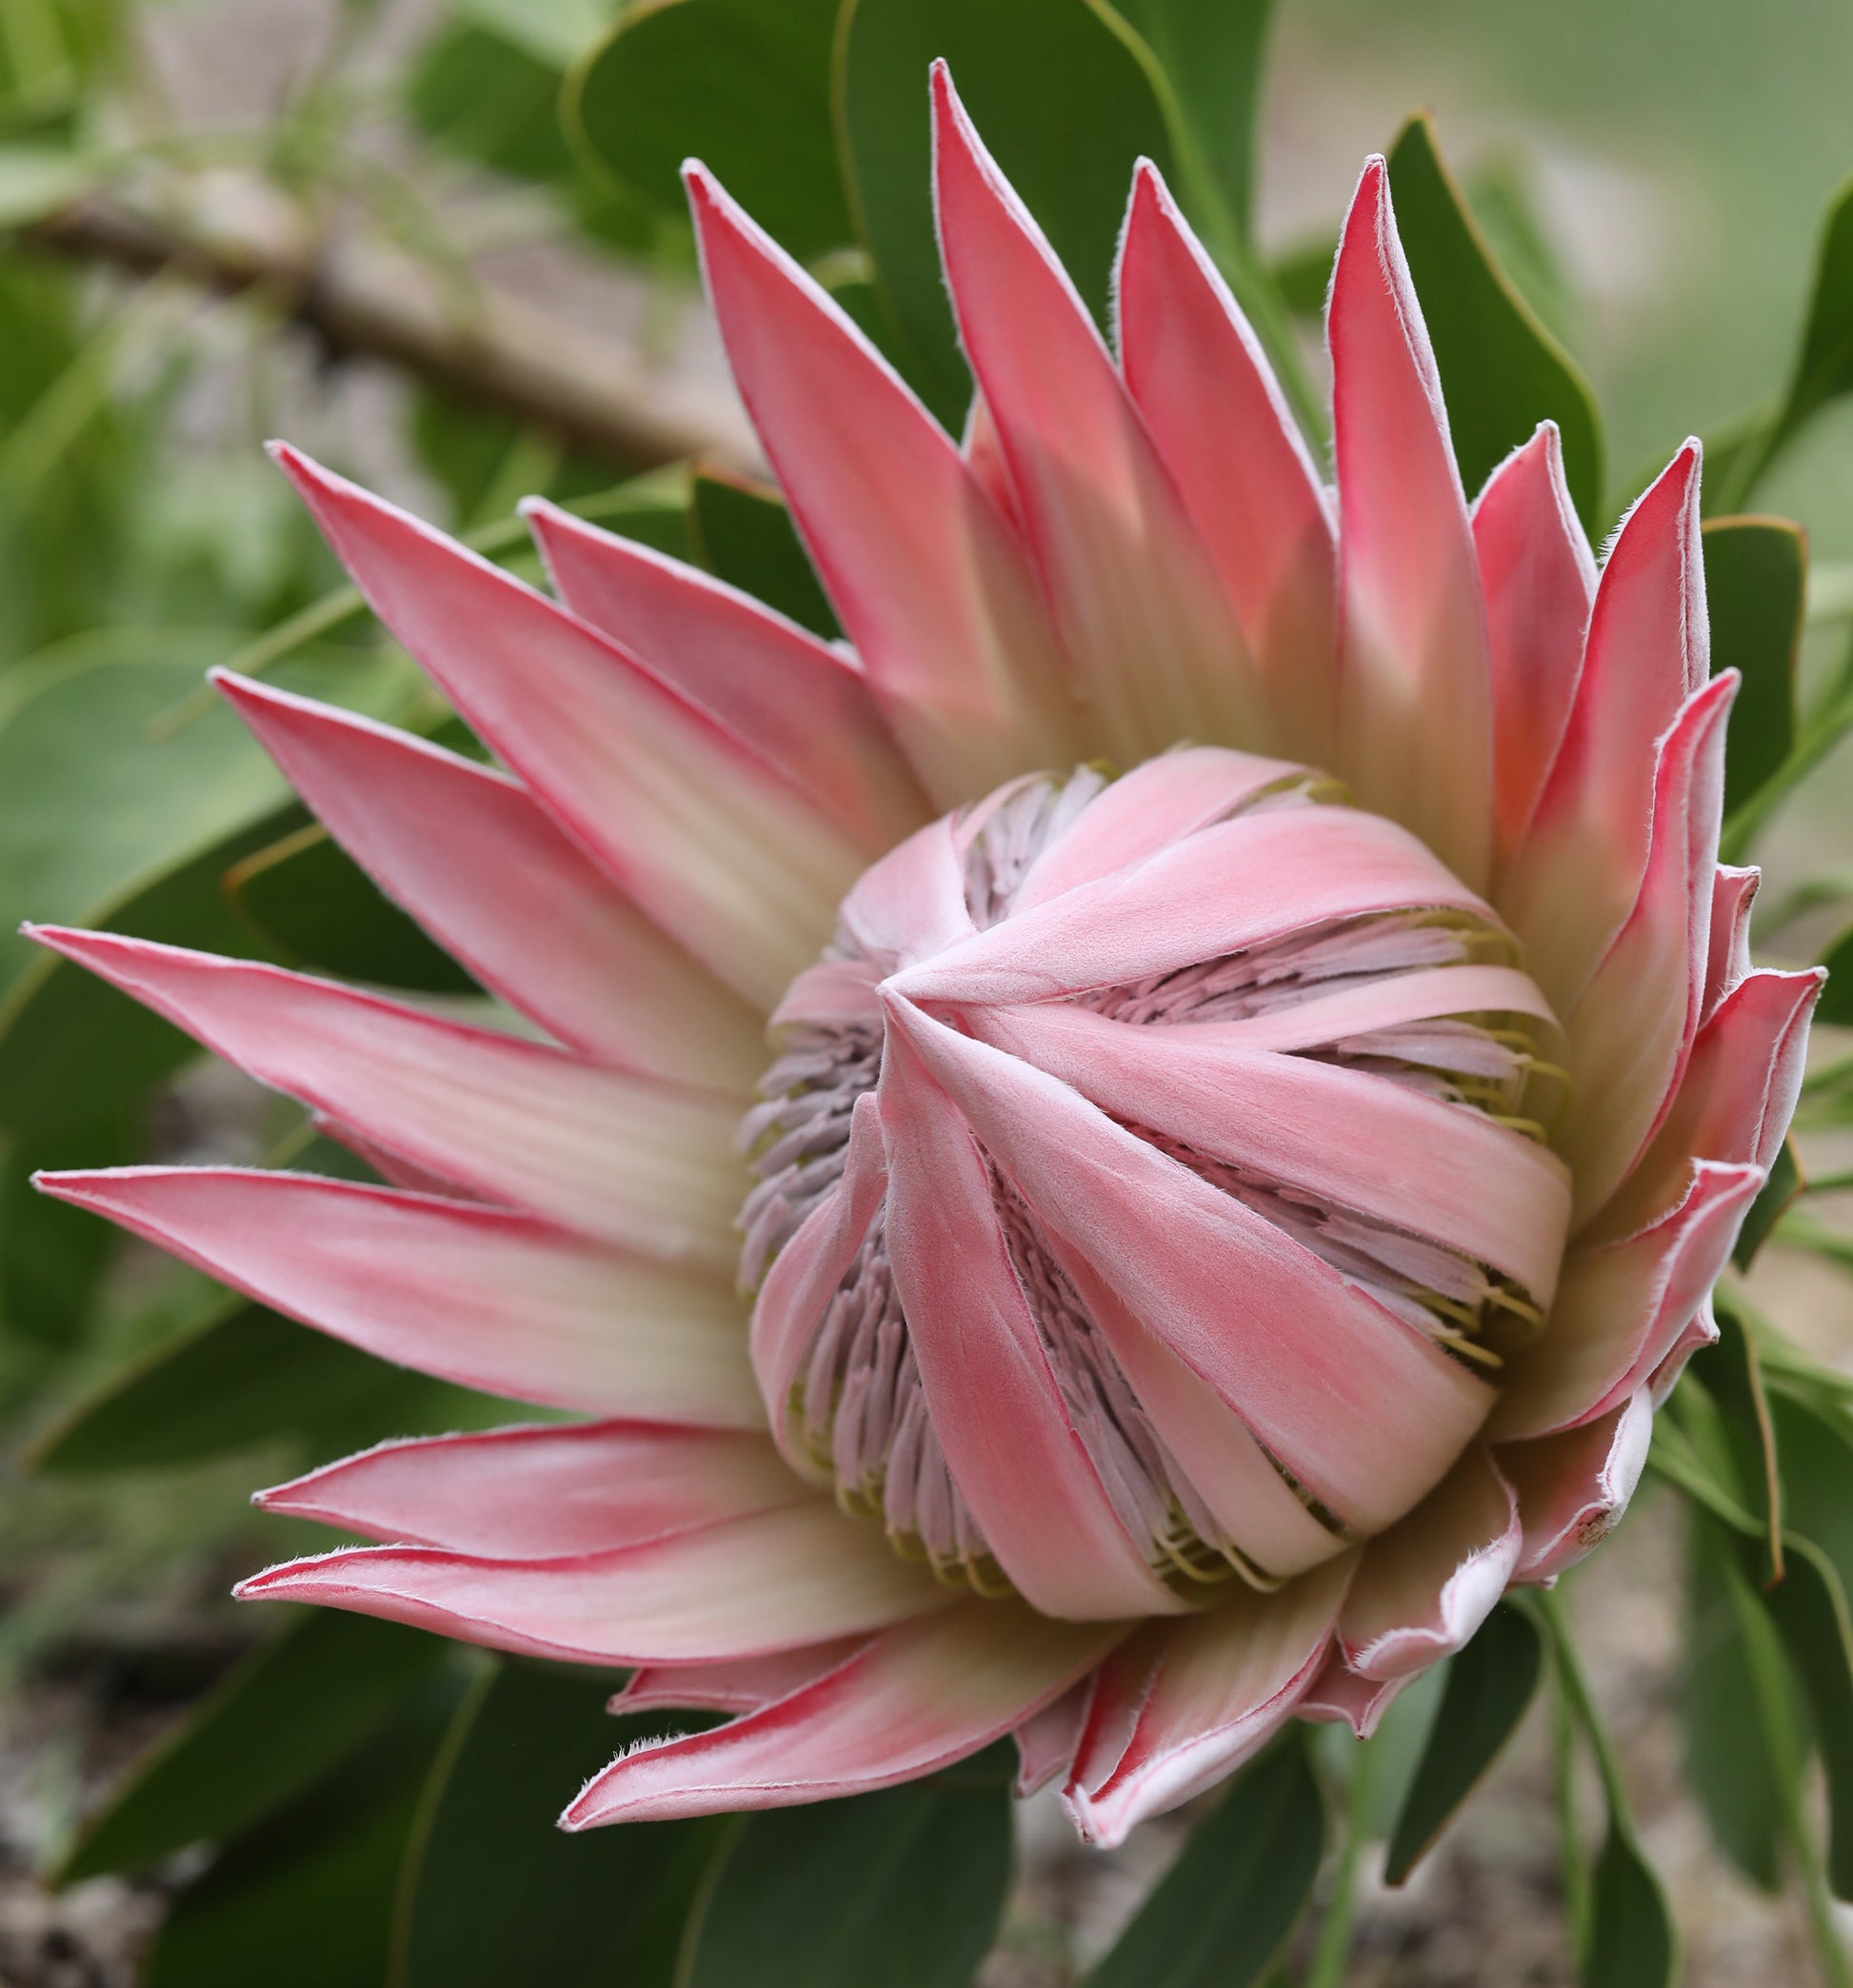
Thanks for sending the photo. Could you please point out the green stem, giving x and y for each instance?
(1334, 1946)
(1575, 1872)
(1574, 1686)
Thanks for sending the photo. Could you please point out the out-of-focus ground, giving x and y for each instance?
(1678, 153)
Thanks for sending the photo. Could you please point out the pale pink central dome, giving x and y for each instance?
(1196, 1112)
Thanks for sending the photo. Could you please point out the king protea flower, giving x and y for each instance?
(1111, 1163)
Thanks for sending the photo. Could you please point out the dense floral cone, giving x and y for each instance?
(1263, 1066)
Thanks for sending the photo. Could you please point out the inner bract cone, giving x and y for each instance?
(1077, 1053)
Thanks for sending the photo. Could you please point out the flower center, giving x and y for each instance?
(1275, 1010)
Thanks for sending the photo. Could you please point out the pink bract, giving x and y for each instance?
(1263, 1068)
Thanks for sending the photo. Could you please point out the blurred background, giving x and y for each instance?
(366, 227)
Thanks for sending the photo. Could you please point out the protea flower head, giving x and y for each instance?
(1112, 1163)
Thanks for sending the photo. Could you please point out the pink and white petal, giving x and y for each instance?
(747, 1587)
(1429, 1581)
(911, 905)
(914, 1700)
(1734, 1102)
(1433, 994)
(1621, 1308)
(983, 454)
(1632, 1028)
(482, 1296)
(1186, 1704)
(633, 1161)
(1047, 1741)
(1142, 811)
(1415, 688)
(1155, 650)
(1343, 1135)
(995, 1403)
(804, 706)
(1201, 381)
(831, 994)
(1574, 1486)
(925, 574)
(1734, 891)
(1574, 877)
(392, 1168)
(809, 1271)
(717, 845)
(1296, 868)
(1307, 1361)
(544, 1493)
(473, 857)
(1338, 1693)
(742, 1686)
(1700, 1331)
(1539, 579)
(1240, 1484)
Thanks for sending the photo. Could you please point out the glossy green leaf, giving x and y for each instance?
(1221, 1914)
(1490, 1683)
(1756, 588)
(1215, 58)
(281, 1722)
(1502, 371)
(746, 536)
(742, 85)
(306, 1900)
(1066, 96)
(245, 1377)
(1631, 1939)
(1810, 1608)
(905, 1887)
(312, 905)
(1733, 1670)
(495, 1894)
(1773, 1198)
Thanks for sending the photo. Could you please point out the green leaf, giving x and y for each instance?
(52, 1256)
(1756, 587)
(481, 94)
(1502, 371)
(1489, 1685)
(1631, 1940)
(1733, 1667)
(248, 1376)
(1773, 1198)
(552, 31)
(742, 85)
(1730, 1374)
(1215, 57)
(311, 905)
(1816, 1462)
(494, 1893)
(280, 1723)
(1067, 97)
(746, 536)
(1225, 1908)
(306, 1900)
(1835, 1003)
(905, 1887)
(1810, 1608)
(1823, 367)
